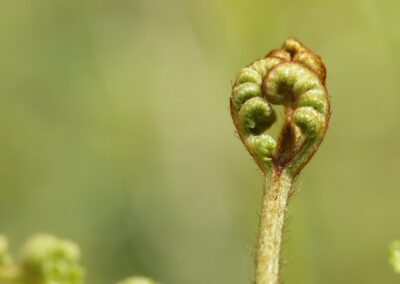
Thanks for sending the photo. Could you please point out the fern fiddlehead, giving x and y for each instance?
(294, 77)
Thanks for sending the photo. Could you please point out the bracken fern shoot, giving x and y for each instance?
(294, 77)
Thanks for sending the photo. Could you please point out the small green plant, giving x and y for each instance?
(46, 259)
(294, 77)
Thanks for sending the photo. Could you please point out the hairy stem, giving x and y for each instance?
(272, 219)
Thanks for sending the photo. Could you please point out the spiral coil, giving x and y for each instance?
(292, 76)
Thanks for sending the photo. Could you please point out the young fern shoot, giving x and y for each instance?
(294, 77)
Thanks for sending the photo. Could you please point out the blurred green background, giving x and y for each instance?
(115, 132)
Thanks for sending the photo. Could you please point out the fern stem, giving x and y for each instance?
(272, 219)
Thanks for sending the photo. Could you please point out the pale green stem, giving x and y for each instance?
(272, 219)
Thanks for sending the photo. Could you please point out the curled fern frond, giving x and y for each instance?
(294, 77)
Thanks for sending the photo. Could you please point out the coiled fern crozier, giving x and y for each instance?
(294, 77)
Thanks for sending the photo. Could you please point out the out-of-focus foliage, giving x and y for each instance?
(115, 132)
(394, 255)
(137, 280)
(47, 259)
(5, 258)
(44, 259)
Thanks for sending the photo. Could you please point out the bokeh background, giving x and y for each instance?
(115, 132)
